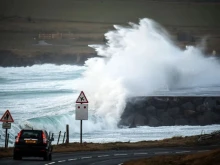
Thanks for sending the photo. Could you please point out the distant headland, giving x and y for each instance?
(59, 32)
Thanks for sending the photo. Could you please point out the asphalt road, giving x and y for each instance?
(111, 157)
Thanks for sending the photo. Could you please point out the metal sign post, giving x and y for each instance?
(6, 137)
(81, 111)
(81, 122)
(6, 118)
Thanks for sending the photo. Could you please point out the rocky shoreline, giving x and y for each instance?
(10, 59)
(170, 111)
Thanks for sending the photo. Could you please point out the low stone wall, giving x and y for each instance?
(169, 111)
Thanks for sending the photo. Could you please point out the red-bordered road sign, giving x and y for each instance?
(7, 117)
(82, 98)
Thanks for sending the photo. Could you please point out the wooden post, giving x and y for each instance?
(58, 138)
(80, 131)
(67, 134)
(64, 136)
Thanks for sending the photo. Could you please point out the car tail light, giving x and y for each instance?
(18, 137)
(44, 138)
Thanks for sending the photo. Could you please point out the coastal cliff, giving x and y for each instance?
(8, 59)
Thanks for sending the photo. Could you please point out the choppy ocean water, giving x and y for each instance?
(43, 97)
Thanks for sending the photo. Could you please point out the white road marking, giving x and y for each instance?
(120, 154)
(86, 157)
(161, 152)
(72, 159)
(50, 163)
(60, 161)
(203, 150)
(143, 153)
(178, 152)
(102, 156)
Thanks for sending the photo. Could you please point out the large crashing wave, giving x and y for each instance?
(141, 60)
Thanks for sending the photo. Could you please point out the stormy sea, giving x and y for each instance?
(139, 60)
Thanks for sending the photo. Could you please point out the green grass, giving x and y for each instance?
(88, 20)
(115, 11)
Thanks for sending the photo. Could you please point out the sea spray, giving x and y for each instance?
(142, 60)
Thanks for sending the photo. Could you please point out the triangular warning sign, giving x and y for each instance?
(82, 98)
(7, 117)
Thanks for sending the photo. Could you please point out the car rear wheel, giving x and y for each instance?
(17, 157)
(46, 157)
(50, 156)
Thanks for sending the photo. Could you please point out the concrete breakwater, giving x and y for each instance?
(169, 111)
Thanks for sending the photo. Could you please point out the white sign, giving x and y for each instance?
(81, 111)
(82, 98)
(6, 125)
(7, 117)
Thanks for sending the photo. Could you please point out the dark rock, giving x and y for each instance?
(174, 112)
(201, 108)
(129, 109)
(128, 120)
(188, 105)
(203, 120)
(174, 102)
(207, 111)
(181, 121)
(160, 102)
(153, 121)
(209, 103)
(140, 120)
(193, 121)
(151, 110)
(160, 112)
(198, 100)
(166, 120)
(216, 109)
(189, 113)
(207, 118)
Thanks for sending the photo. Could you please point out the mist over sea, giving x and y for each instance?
(140, 60)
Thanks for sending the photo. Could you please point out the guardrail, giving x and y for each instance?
(208, 136)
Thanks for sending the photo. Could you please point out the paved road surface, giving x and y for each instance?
(112, 157)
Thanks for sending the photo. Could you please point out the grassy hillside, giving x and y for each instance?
(115, 11)
(86, 21)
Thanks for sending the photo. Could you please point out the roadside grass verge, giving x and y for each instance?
(188, 141)
(204, 158)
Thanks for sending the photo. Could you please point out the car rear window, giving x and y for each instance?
(31, 134)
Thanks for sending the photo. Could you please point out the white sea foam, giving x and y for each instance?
(141, 60)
